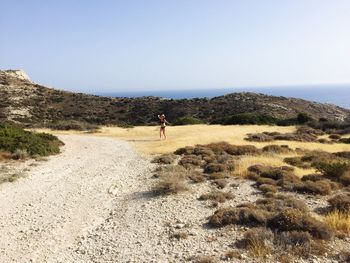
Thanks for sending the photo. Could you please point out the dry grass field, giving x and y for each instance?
(146, 140)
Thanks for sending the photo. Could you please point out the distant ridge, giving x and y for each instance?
(31, 104)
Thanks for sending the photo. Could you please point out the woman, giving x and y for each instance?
(163, 123)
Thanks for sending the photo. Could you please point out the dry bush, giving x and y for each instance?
(258, 242)
(20, 154)
(164, 159)
(259, 137)
(279, 202)
(340, 202)
(344, 155)
(296, 220)
(277, 149)
(322, 187)
(196, 177)
(338, 221)
(191, 160)
(297, 162)
(334, 136)
(220, 183)
(268, 188)
(313, 177)
(224, 147)
(5, 156)
(217, 196)
(239, 215)
(203, 151)
(262, 180)
(345, 178)
(215, 168)
(170, 184)
(184, 150)
(333, 170)
(291, 239)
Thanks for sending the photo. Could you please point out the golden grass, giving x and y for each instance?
(146, 138)
(338, 221)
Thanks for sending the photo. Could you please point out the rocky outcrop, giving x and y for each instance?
(17, 73)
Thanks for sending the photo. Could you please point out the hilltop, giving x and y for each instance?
(28, 103)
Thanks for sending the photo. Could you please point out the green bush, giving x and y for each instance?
(246, 118)
(13, 139)
(333, 170)
(187, 121)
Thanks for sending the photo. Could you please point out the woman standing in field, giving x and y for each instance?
(163, 123)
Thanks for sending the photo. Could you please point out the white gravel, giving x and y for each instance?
(43, 215)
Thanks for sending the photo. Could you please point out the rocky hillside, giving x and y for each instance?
(26, 102)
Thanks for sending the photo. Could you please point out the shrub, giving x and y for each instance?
(268, 188)
(345, 140)
(296, 220)
(246, 118)
(345, 155)
(20, 154)
(278, 149)
(214, 168)
(224, 147)
(332, 170)
(220, 183)
(220, 197)
(14, 139)
(184, 150)
(196, 177)
(170, 185)
(296, 161)
(258, 241)
(338, 221)
(340, 202)
(290, 239)
(259, 137)
(164, 159)
(345, 178)
(190, 160)
(303, 118)
(187, 121)
(238, 215)
(334, 136)
(279, 202)
(322, 187)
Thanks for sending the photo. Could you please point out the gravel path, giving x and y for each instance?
(43, 215)
(92, 203)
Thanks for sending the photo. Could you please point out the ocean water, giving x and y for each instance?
(335, 94)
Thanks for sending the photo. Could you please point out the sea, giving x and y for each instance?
(332, 94)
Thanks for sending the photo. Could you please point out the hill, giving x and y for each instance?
(23, 101)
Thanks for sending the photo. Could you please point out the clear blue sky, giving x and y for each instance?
(124, 45)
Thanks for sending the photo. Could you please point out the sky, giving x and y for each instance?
(124, 45)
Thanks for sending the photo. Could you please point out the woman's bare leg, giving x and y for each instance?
(164, 133)
(160, 133)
